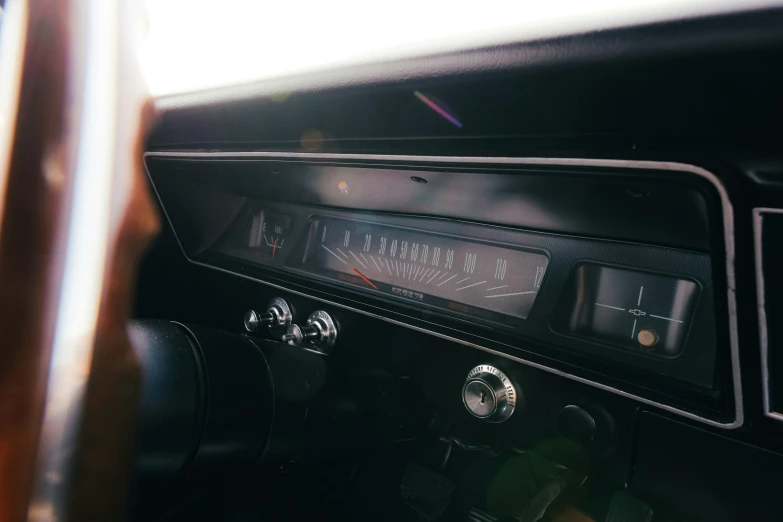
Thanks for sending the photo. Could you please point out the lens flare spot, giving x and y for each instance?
(343, 186)
(312, 139)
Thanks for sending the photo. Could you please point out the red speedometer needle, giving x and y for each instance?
(274, 248)
(365, 279)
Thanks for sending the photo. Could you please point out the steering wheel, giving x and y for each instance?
(75, 217)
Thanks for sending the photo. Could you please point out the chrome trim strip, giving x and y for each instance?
(728, 227)
(763, 340)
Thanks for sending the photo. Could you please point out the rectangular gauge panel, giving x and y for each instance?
(512, 257)
(634, 310)
(507, 283)
(451, 273)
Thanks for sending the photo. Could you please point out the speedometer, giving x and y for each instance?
(456, 274)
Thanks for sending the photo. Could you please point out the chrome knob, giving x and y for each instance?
(489, 394)
(320, 333)
(251, 321)
(277, 317)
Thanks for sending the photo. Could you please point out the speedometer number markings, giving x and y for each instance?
(470, 263)
(500, 269)
(540, 277)
(419, 266)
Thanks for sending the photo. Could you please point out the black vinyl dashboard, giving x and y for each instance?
(572, 300)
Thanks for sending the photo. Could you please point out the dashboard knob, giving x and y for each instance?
(278, 316)
(489, 394)
(320, 333)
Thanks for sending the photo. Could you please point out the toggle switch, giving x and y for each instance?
(278, 317)
(320, 333)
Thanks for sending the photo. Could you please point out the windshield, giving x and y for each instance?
(198, 44)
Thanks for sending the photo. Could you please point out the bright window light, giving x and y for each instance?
(201, 44)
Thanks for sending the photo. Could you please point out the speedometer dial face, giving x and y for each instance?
(456, 274)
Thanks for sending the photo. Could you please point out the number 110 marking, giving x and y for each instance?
(500, 269)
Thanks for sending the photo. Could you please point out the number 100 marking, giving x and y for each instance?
(470, 263)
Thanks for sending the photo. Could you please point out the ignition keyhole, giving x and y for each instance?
(483, 395)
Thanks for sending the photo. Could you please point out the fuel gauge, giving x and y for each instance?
(268, 232)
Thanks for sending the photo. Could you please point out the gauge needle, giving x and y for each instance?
(274, 248)
(365, 279)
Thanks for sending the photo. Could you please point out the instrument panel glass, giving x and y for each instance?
(452, 273)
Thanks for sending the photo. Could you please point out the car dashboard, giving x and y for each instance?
(483, 270)
(561, 251)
